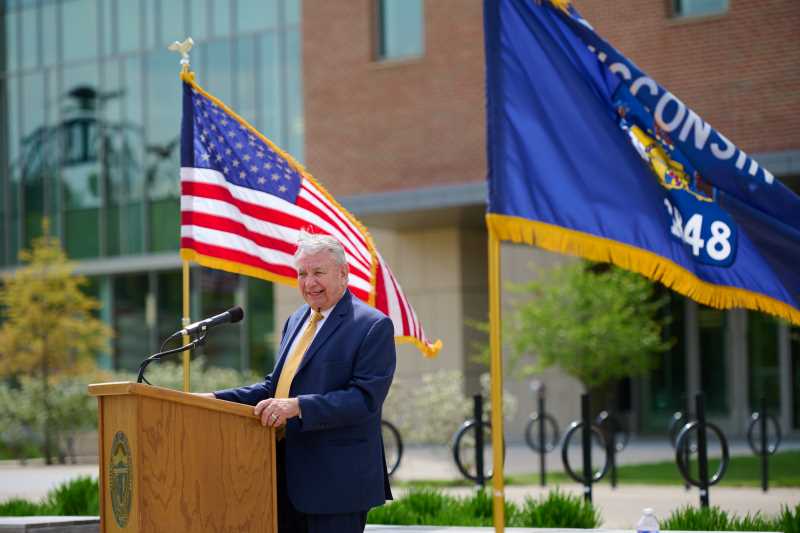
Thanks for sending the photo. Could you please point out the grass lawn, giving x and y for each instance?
(743, 471)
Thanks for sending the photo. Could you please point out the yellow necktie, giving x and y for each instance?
(296, 357)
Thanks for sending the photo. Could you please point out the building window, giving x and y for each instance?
(400, 29)
(699, 8)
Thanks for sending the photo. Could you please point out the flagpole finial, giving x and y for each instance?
(183, 48)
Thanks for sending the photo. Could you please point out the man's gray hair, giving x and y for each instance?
(313, 243)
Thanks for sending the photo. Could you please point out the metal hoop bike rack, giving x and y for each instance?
(392, 446)
(761, 420)
(700, 426)
(588, 430)
(469, 444)
(540, 425)
(616, 438)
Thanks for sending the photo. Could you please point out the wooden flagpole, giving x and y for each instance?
(496, 369)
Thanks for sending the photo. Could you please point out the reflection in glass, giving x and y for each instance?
(174, 25)
(129, 20)
(199, 11)
(246, 79)
(763, 360)
(38, 165)
(80, 33)
(292, 12)
(12, 47)
(294, 97)
(252, 15)
(162, 151)
(712, 324)
(218, 294)
(271, 74)
(260, 316)
(49, 33)
(668, 379)
(79, 132)
(221, 18)
(30, 33)
(400, 29)
(170, 304)
(130, 321)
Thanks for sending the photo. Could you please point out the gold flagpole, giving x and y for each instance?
(496, 369)
(186, 321)
(183, 48)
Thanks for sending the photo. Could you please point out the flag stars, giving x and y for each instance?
(247, 157)
(242, 174)
(262, 180)
(260, 155)
(224, 122)
(275, 177)
(282, 188)
(267, 165)
(205, 157)
(235, 163)
(226, 170)
(218, 158)
(239, 146)
(253, 168)
(228, 151)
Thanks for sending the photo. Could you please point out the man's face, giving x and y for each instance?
(320, 280)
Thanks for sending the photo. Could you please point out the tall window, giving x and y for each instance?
(699, 8)
(400, 29)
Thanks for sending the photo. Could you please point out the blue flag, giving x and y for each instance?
(589, 156)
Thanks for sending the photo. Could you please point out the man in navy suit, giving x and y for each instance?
(336, 363)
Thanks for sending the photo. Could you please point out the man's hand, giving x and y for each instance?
(274, 412)
(205, 395)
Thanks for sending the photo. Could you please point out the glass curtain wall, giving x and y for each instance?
(90, 122)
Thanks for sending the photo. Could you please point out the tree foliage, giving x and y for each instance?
(48, 328)
(48, 325)
(597, 326)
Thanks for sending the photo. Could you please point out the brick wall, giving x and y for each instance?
(376, 126)
(373, 126)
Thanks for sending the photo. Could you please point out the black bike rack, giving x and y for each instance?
(478, 425)
(759, 419)
(682, 445)
(587, 430)
(616, 438)
(540, 421)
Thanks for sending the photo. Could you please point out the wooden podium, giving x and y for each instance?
(172, 461)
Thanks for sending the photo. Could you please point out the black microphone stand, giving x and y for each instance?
(156, 356)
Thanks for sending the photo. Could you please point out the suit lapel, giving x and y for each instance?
(330, 325)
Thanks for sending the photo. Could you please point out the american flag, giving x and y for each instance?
(244, 202)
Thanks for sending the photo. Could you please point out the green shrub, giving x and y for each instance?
(560, 510)
(20, 507)
(715, 519)
(788, 520)
(431, 507)
(76, 497)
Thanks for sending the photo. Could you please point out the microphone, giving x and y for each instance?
(233, 315)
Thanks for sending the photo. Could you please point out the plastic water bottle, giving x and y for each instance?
(647, 523)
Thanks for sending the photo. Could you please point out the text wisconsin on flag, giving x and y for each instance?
(244, 201)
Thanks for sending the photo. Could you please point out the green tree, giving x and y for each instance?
(48, 327)
(597, 323)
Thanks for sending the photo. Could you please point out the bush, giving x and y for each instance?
(432, 507)
(73, 410)
(560, 510)
(430, 409)
(77, 497)
(715, 519)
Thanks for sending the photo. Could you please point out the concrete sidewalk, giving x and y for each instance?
(620, 508)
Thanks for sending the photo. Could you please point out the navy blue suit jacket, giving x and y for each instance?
(334, 453)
